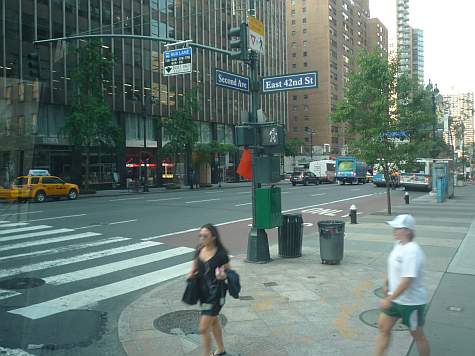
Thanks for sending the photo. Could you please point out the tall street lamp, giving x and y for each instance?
(310, 132)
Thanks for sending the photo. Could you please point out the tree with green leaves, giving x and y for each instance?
(90, 123)
(292, 147)
(180, 128)
(388, 116)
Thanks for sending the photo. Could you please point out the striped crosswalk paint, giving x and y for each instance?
(66, 248)
(48, 241)
(78, 258)
(94, 295)
(4, 222)
(4, 293)
(34, 234)
(116, 266)
(22, 229)
(13, 224)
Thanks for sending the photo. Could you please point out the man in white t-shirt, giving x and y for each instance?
(406, 297)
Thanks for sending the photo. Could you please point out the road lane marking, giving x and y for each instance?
(21, 229)
(169, 234)
(201, 201)
(5, 293)
(247, 219)
(65, 248)
(285, 192)
(122, 222)
(13, 224)
(87, 227)
(243, 192)
(80, 299)
(319, 194)
(57, 217)
(165, 199)
(243, 204)
(116, 266)
(4, 222)
(22, 213)
(48, 241)
(34, 234)
(321, 211)
(215, 191)
(78, 258)
(123, 199)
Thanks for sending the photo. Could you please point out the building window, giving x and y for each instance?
(293, 22)
(305, 96)
(294, 44)
(293, 12)
(305, 107)
(294, 97)
(294, 55)
(304, 43)
(304, 9)
(304, 30)
(304, 20)
(294, 33)
(305, 64)
(305, 54)
(294, 66)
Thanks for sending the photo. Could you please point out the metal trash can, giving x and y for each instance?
(290, 236)
(332, 234)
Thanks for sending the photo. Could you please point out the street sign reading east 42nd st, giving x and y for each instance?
(290, 82)
(177, 61)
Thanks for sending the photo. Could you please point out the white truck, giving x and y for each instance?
(324, 170)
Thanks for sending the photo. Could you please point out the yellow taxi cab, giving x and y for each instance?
(39, 188)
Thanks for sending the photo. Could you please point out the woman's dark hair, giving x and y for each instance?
(214, 232)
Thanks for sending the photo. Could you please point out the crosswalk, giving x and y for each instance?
(79, 269)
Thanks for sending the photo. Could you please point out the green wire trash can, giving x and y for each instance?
(290, 236)
(332, 234)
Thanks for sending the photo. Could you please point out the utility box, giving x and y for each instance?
(268, 207)
(267, 169)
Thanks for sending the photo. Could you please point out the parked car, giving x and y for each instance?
(39, 188)
(304, 178)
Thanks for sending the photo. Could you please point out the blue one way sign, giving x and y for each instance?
(231, 81)
(290, 82)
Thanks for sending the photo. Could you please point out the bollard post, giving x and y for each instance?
(406, 197)
(353, 214)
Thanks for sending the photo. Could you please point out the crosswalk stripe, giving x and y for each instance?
(48, 241)
(115, 266)
(5, 293)
(94, 295)
(13, 224)
(65, 248)
(4, 222)
(21, 229)
(34, 234)
(77, 258)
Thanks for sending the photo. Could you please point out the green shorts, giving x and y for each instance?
(412, 315)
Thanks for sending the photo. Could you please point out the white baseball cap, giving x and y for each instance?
(404, 221)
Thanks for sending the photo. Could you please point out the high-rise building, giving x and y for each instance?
(377, 37)
(139, 94)
(325, 36)
(460, 131)
(403, 35)
(417, 55)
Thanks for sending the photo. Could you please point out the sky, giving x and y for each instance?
(449, 30)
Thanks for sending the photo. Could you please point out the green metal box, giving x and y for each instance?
(268, 207)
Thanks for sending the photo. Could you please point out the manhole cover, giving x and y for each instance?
(182, 321)
(379, 292)
(74, 328)
(370, 317)
(21, 283)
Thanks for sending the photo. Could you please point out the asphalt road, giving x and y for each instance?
(93, 256)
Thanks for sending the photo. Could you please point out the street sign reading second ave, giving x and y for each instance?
(290, 82)
(177, 61)
(231, 81)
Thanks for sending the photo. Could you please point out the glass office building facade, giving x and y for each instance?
(33, 112)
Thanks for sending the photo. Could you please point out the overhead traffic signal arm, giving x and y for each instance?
(238, 39)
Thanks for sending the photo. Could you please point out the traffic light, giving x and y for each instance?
(239, 42)
(34, 64)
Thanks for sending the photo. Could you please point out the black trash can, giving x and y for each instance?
(290, 236)
(332, 234)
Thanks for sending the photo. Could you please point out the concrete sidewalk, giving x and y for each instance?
(301, 307)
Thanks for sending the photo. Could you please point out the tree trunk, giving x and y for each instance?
(387, 177)
(88, 156)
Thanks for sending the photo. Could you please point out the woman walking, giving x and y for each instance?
(209, 265)
(406, 296)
